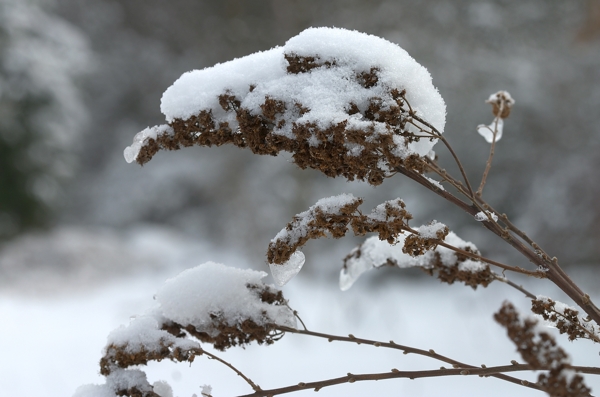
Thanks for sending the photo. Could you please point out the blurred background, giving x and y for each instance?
(79, 79)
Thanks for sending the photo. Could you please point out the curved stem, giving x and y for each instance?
(492, 262)
(515, 286)
(450, 149)
(488, 164)
(253, 385)
(394, 374)
(553, 272)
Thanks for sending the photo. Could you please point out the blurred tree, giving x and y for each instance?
(41, 113)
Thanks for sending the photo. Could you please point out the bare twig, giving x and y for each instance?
(253, 385)
(395, 374)
(406, 349)
(553, 272)
(437, 134)
(515, 286)
(488, 164)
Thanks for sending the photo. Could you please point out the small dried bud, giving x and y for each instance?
(501, 103)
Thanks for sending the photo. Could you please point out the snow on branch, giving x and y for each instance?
(539, 349)
(396, 244)
(340, 101)
(332, 216)
(565, 318)
(210, 303)
(450, 266)
(328, 215)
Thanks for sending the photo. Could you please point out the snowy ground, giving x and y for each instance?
(51, 343)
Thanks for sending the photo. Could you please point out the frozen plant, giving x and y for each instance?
(352, 105)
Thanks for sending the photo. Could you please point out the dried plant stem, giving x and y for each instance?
(488, 164)
(553, 271)
(395, 374)
(515, 286)
(472, 255)
(406, 350)
(253, 385)
(438, 135)
(458, 367)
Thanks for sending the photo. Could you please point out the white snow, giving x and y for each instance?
(487, 131)
(213, 288)
(144, 333)
(483, 216)
(206, 390)
(300, 224)
(435, 183)
(502, 96)
(286, 271)
(131, 152)
(327, 92)
(420, 312)
(375, 253)
(162, 388)
(560, 308)
(431, 230)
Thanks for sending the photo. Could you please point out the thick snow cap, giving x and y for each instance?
(326, 92)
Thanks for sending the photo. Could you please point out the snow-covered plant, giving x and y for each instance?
(352, 105)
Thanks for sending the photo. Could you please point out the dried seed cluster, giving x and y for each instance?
(457, 272)
(370, 152)
(418, 244)
(388, 220)
(502, 104)
(565, 319)
(223, 335)
(539, 349)
(177, 342)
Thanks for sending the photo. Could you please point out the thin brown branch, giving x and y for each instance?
(395, 374)
(488, 164)
(253, 385)
(515, 286)
(553, 272)
(406, 350)
(450, 149)
(472, 255)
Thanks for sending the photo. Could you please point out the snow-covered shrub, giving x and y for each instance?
(351, 105)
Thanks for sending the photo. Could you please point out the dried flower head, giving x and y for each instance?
(539, 349)
(566, 319)
(502, 104)
(338, 108)
(212, 304)
(450, 266)
(331, 216)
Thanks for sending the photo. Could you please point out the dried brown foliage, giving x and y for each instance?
(388, 220)
(417, 245)
(566, 320)
(328, 153)
(502, 104)
(453, 273)
(540, 351)
(220, 334)
(312, 224)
